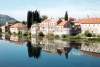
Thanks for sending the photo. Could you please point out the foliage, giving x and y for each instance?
(25, 33)
(76, 37)
(87, 34)
(63, 36)
(66, 16)
(29, 19)
(33, 17)
(56, 36)
(40, 34)
(24, 22)
(44, 17)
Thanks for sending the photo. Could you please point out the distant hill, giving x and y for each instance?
(6, 18)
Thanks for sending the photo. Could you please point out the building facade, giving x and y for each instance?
(52, 26)
(89, 24)
(18, 28)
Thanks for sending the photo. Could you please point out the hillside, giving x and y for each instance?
(5, 18)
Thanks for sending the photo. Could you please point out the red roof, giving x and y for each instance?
(62, 23)
(89, 20)
(18, 25)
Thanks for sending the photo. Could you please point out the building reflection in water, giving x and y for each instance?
(17, 39)
(36, 45)
(90, 48)
(59, 46)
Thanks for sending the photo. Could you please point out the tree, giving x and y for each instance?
(29, 19)
(66, 16)
(44, 17)
(33, 17)
(87, 33)
(37, 17)
(23, 22)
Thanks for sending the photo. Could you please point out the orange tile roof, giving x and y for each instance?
(62, 23)
(18, 25)
(89, 20)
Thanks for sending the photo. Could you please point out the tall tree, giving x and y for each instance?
(33, 17)
(29, 19)
(66, 16)
(37, 17)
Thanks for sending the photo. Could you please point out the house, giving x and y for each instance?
(63, 27)
(89, 24)
(18, 28)
(52, 26)
(48, 26)
(5, 27)
(35, 28)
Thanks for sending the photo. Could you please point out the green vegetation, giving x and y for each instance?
(44, 17)
(33, 17)
(87, 34)
(66, 16)
(40, 34)
(56, 36)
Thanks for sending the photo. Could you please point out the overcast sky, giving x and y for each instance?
(52, 8)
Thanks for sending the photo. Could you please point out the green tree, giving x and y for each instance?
(37, 17)
(44, 17)
(66, 16)
(87, 34)
(29, 19)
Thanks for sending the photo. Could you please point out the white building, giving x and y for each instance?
(35, 29)
(52, 26)
(90, 24)
(18, 28)
(5, 27)
(48, 26)
(63, 27)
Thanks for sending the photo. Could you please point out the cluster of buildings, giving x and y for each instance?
(57, 26)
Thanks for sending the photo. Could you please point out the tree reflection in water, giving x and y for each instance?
(33, 51)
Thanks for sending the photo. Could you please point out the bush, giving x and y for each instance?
(87, 34)
(63, 36)
(40, 34)
(56, 36)
(25, 34)
(77, 37)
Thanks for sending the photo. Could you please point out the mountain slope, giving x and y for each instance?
(5, 18)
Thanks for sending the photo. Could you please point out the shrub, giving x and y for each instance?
(77, 36)
(40, 34)
(63, 36)
(87, 34)
(25, 33)
(56, 36)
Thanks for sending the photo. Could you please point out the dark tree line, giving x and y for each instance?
(33, 17)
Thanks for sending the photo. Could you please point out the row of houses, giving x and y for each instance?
(57, 26)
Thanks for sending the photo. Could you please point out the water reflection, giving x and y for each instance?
(36, 45)
(33, 51)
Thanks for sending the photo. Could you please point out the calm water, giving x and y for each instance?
(18, 52)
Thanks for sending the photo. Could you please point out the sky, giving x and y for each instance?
(52, 8)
